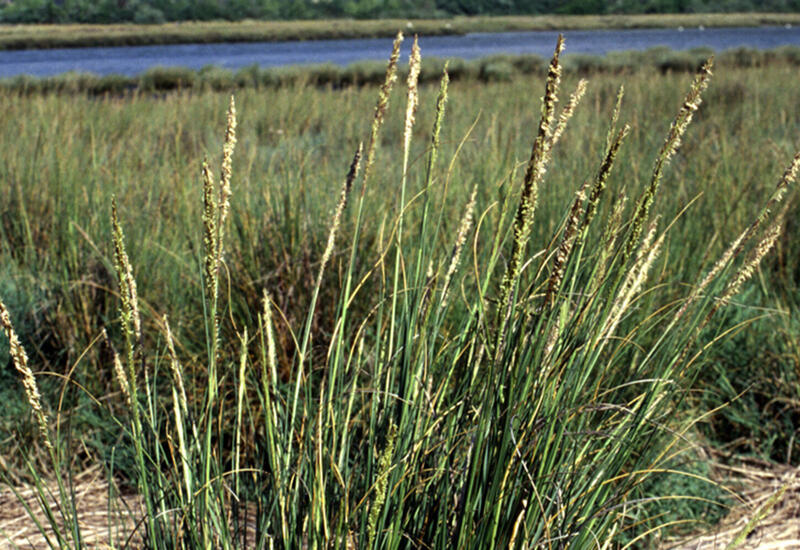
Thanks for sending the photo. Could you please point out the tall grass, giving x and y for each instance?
(460, 372)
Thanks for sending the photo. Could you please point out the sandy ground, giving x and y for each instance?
(768, 517)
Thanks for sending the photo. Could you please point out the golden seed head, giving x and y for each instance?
(441, 100)
(209, 228)
(272, 354)
(175, 366)
(537, 164)
(677, 129)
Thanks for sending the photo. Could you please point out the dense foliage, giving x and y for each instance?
(157, 11)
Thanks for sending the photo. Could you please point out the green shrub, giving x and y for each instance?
(148, 14)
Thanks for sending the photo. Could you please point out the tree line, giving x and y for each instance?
(158, 11)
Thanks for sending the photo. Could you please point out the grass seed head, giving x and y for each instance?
(752, 261)
(337, 215)
(602, 177)
(567, 112)
(129, 310)
(20, 360)
(119, 370)
(540, 154)
(565, 247)
(272, 354)
(381, 106)
(635, 277)
(225, 170)
(381, 484)
(441, 101)
(175, 366)
(414, 66)
(461, 238)
(671, 144)
(210, 208)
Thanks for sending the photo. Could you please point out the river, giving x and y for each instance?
(133, 60)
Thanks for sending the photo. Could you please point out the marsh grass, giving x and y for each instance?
(457, 372)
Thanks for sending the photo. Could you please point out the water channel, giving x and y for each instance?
(133, 60)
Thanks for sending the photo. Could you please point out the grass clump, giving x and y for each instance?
(480, 380)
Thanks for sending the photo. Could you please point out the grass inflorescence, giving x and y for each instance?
(476, 353)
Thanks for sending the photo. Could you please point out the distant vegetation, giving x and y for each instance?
(159, 11)
(79, 35)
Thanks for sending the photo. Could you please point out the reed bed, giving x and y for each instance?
(485, 343)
